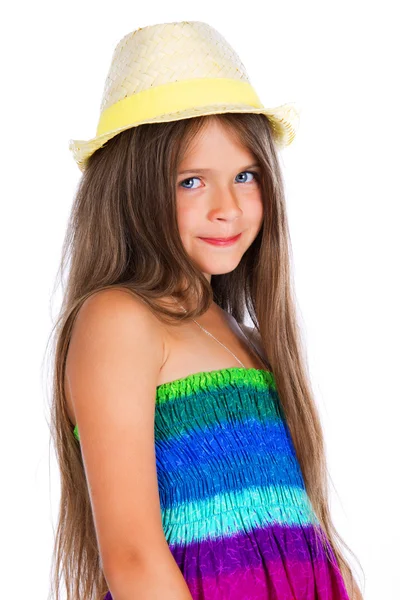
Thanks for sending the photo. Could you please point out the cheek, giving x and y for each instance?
(257, 210)
(186, 219)
(186, 215)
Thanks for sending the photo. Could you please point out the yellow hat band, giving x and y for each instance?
(176, 96)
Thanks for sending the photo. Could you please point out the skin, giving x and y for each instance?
(222, 201)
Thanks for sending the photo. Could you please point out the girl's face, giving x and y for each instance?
(217, 196)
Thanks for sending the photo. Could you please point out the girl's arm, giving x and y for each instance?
(156, 577)
(114, 358)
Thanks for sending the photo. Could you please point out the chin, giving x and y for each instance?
(218, 267)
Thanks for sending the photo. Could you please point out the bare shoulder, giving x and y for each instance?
(113, 323)
(113, 362)
(113, 305)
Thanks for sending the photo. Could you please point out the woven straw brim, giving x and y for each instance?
(284, 121)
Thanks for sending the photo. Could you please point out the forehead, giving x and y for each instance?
(215, 142)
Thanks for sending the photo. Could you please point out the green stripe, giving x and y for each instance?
(76, 433)
(192, 384)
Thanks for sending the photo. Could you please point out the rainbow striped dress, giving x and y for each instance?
(234, 507)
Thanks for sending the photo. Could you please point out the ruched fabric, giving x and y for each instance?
(234, 507)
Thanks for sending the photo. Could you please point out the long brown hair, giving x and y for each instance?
(123, 232)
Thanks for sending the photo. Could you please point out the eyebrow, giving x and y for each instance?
(255, 165)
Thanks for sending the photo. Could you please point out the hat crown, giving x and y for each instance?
(169, 52)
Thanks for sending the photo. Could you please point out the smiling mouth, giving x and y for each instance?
(221, 241)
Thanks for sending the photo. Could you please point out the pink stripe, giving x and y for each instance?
(281, 580)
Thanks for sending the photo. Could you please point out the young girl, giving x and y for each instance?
(191, 453)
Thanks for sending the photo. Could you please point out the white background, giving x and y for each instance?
(339, 63)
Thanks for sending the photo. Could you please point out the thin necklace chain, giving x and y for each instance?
(210, 334)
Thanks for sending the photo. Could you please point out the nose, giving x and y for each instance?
(225, 204)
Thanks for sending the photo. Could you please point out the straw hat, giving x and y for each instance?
(173, 71)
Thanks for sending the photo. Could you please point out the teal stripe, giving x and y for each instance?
(201, 411)
(235, 512)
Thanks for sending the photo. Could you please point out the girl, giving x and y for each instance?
(191, 452)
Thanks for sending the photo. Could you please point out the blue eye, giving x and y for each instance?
(255, 175)
(185, 180)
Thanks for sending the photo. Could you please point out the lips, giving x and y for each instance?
(226, 239)
(222, 242)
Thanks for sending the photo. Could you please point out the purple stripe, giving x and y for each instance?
(272, 544)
